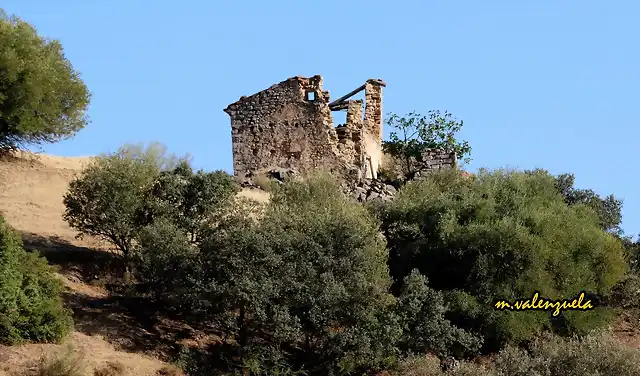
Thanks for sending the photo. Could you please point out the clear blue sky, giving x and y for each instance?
(549, 84)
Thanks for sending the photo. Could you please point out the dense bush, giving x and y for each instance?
(121, 193)
(597, 354)
(42, 98)
(608, 209)
(422, 313)
(31, 308)
(503, 235)
(167, 265)
(193, 201)
(308, 278)
(110, 197)
(301, 283)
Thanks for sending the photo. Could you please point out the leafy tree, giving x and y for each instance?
(31, 307)
(426, 329)
(608, 209)
(503, 235)
(302, 280)
(42, 98)
(627, 293)
(633, 252)
(419, 133)
(110, 199)
(609, 212)
(312, 272)
(167, 265)
(194, 200)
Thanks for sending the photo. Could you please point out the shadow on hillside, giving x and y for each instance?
(127, 323)
(85, 262)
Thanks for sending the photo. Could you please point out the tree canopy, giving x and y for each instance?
(414, 133)
(42, 97)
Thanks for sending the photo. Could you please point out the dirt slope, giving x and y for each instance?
(31, 190)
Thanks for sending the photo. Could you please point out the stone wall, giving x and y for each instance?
(434, 159)
(374, 189)
(431, 159)
(290, 126)
(287, 125)
(373, 128)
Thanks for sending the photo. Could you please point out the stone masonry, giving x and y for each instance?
(372, 189)
(290, 126)
(288, 129)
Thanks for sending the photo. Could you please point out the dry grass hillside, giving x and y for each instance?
(31, 191)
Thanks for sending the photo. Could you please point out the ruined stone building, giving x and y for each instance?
(290, 126)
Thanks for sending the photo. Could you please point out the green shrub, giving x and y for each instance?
(31, 308)
(121, 193)
(503, 235)
(312, 272)
(42, 98)
(305, 282)
(194, 201)
(110, 199)
(166, 263)
(607, 209)
(597, 354)
(425, 329)
(626, 294)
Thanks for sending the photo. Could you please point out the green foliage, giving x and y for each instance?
(626, 294)
(311, 272)
(166, 264)
(426, 330)
(194, 201)
(418, 133)
(632, 251)
(305, 280)
(110, 199)
(31, 308)
(503, 235)
(597, 354)
(200, 362)
(608, 209)
(609, 212)
(42, 98)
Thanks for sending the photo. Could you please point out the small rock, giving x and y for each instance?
(373, 195)
(359, 191)
(390, 188)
